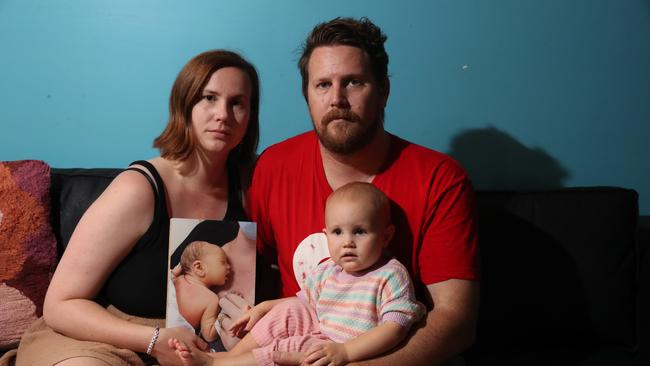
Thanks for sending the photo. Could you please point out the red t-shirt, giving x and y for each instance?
(433, 207)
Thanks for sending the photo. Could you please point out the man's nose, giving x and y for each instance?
(339, 97)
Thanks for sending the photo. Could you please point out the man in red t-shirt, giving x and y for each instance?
(345, 83)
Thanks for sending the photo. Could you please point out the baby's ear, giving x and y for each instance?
(197, 267)
(325, 230)
(388, 234)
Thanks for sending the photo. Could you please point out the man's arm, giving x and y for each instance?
(446, 331)
(369, 344)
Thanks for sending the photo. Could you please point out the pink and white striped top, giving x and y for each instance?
(348, 305)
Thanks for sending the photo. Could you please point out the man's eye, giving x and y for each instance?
(355, 82)
(322, 85)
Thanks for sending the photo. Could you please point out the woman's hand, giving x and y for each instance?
(288, 358)
(165, 354)
(177, 271)
(233, 306)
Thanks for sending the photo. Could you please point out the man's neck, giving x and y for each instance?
(361, 166)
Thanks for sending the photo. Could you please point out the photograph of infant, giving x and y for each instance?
(211, 263)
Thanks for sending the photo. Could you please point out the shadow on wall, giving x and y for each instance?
(495, 160)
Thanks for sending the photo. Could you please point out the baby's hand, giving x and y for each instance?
(245, 322)
(327, 354)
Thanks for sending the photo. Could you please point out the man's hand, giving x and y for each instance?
(288, 358)
(326, 354)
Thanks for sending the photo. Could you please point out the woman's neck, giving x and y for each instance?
(196, 188)
(203, 173)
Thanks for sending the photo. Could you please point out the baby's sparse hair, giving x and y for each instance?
(193, 252)
(366, 192)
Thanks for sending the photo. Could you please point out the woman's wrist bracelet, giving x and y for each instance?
(154, 338)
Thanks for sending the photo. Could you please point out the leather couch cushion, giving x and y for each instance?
(73, 191)
(559, 270)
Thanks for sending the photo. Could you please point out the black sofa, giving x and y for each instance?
(562, 275)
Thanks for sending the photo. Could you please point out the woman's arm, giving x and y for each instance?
(103, 237)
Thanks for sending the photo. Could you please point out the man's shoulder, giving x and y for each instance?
(409, 153)
(284, 156)
(290, 146)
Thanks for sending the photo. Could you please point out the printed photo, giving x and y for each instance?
(211, 265)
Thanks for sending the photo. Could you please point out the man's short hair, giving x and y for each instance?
(361, 33)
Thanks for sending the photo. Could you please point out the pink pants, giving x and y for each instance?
(291, 326)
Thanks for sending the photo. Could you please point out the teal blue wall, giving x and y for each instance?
(526, 94)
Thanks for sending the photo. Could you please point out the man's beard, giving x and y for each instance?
(352, 135)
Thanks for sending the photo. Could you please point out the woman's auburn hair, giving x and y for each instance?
(177, 141)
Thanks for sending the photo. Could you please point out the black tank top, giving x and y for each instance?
(138, 284)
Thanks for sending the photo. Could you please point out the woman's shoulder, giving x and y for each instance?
(135, 184)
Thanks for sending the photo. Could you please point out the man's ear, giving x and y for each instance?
(388, 235)
(386, 91)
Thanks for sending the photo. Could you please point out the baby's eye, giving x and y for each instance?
(336, 231)
(359, 231)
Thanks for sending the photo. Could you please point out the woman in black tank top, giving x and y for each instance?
(118, 253)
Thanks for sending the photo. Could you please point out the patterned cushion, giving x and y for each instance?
(28, 250)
